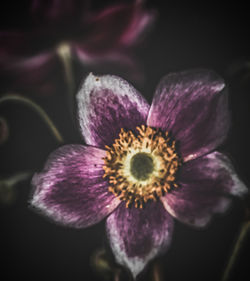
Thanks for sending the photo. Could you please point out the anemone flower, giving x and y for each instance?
(31, 57)
(142, 166)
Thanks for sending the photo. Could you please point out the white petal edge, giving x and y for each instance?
(118, 85)
(135, 265)
(238, 188)
(204, 220)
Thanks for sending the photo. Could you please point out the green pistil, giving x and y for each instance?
(141, 166)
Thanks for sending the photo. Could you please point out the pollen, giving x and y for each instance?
(141, 166)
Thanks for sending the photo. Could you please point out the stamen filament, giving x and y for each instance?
(141, 167)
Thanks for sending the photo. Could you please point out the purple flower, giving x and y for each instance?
(142, 166)
(30, 56)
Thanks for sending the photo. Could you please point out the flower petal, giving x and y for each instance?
(138, 235)
(205, 184)
(15, 44)
(110, 36)
(192, 105)
(123, 63)
(37, 75)
(56, 11)
(105, 105)
(140, 23)
(116, 27)
(71, 189)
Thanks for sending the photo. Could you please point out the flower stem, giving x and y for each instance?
(117, 274)
(157, 273)
(65, 55)
(21, 176)
(38, 109)
(4, 130)
(236, 250)
(8, 192)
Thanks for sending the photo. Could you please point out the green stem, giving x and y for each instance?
(236, 250)
(8, 192)
(38, 109)
(13, 180)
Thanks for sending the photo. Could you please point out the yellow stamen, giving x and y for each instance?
(141, 167)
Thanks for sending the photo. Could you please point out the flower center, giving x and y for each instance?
(141, 167)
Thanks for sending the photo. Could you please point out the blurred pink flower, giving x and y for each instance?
(30, 58)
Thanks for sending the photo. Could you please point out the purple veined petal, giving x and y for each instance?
(138, 235)
(105, 105)
(204, 188)
(192, 105)
(71, 189)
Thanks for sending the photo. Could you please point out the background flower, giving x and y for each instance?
(30, 57)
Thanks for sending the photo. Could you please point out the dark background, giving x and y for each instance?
(205, 35)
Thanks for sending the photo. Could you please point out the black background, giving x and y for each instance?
(186, 35)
